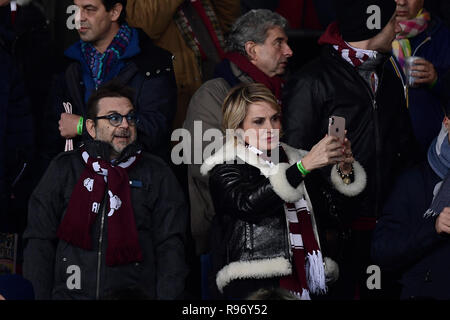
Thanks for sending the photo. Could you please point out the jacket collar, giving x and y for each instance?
(102, 150)
(133, 49)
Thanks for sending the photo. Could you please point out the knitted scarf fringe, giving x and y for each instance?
(315, 272)
(303, 296)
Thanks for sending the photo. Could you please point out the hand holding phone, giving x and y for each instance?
(336, 127)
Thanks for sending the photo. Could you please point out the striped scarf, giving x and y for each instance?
(308, 272)
(355, 57)
(211, 23)
(401, 46)
(100, 177)
(100, 64)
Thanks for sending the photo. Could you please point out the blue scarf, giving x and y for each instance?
(101, 63)
(439, 154)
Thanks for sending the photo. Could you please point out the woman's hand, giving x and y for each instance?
(346, 164)
(327, 151)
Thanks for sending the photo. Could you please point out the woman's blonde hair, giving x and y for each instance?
(235, 105)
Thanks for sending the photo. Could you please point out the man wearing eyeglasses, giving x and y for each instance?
(107, 217)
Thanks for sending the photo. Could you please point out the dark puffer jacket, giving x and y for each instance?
(161, 220)
(378, 126)
(250, 229)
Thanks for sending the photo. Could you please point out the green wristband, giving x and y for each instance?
(80, 126)
(301, 168)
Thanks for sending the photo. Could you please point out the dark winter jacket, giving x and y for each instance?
(160, 213)
(405, 241)
(377, 126)
(424, 104)
(16, 133)
(145, 68)
(29, 42)
(250, 236)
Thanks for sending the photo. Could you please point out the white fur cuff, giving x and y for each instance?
(255, 269)
(354, 188)
(281, 185)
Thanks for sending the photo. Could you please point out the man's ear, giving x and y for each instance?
(116, 11)
(90, 127)
(250, 49)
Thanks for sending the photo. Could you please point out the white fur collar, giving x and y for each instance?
(234, 149)
(23, 2)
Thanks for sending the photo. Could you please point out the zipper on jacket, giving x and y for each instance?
(373, 98)
(400, 73)
(377, 156)
(421, 44)
(19, 175)
(377, 145)
(100, 242)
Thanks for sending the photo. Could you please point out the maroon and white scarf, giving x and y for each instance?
(98, 179)
(354, 56)
(308, 272)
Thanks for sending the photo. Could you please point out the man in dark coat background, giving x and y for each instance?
(354, 78)
(16, 142)
(412, 235)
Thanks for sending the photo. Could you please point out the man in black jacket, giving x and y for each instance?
(107, 217)
(109, 49)
(353, 78)
(16, 143)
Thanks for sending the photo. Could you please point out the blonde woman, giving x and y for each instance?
(265, 232)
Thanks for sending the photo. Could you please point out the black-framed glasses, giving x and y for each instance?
(116, 118)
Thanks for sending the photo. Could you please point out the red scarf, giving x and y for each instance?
(88, 195)
(308, 274)
(274, 83)
(333, 36)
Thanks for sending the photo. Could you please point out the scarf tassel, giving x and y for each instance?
(303, 296)
(316, 273)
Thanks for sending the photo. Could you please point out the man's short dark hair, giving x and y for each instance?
(109, 4)
(111, 89)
